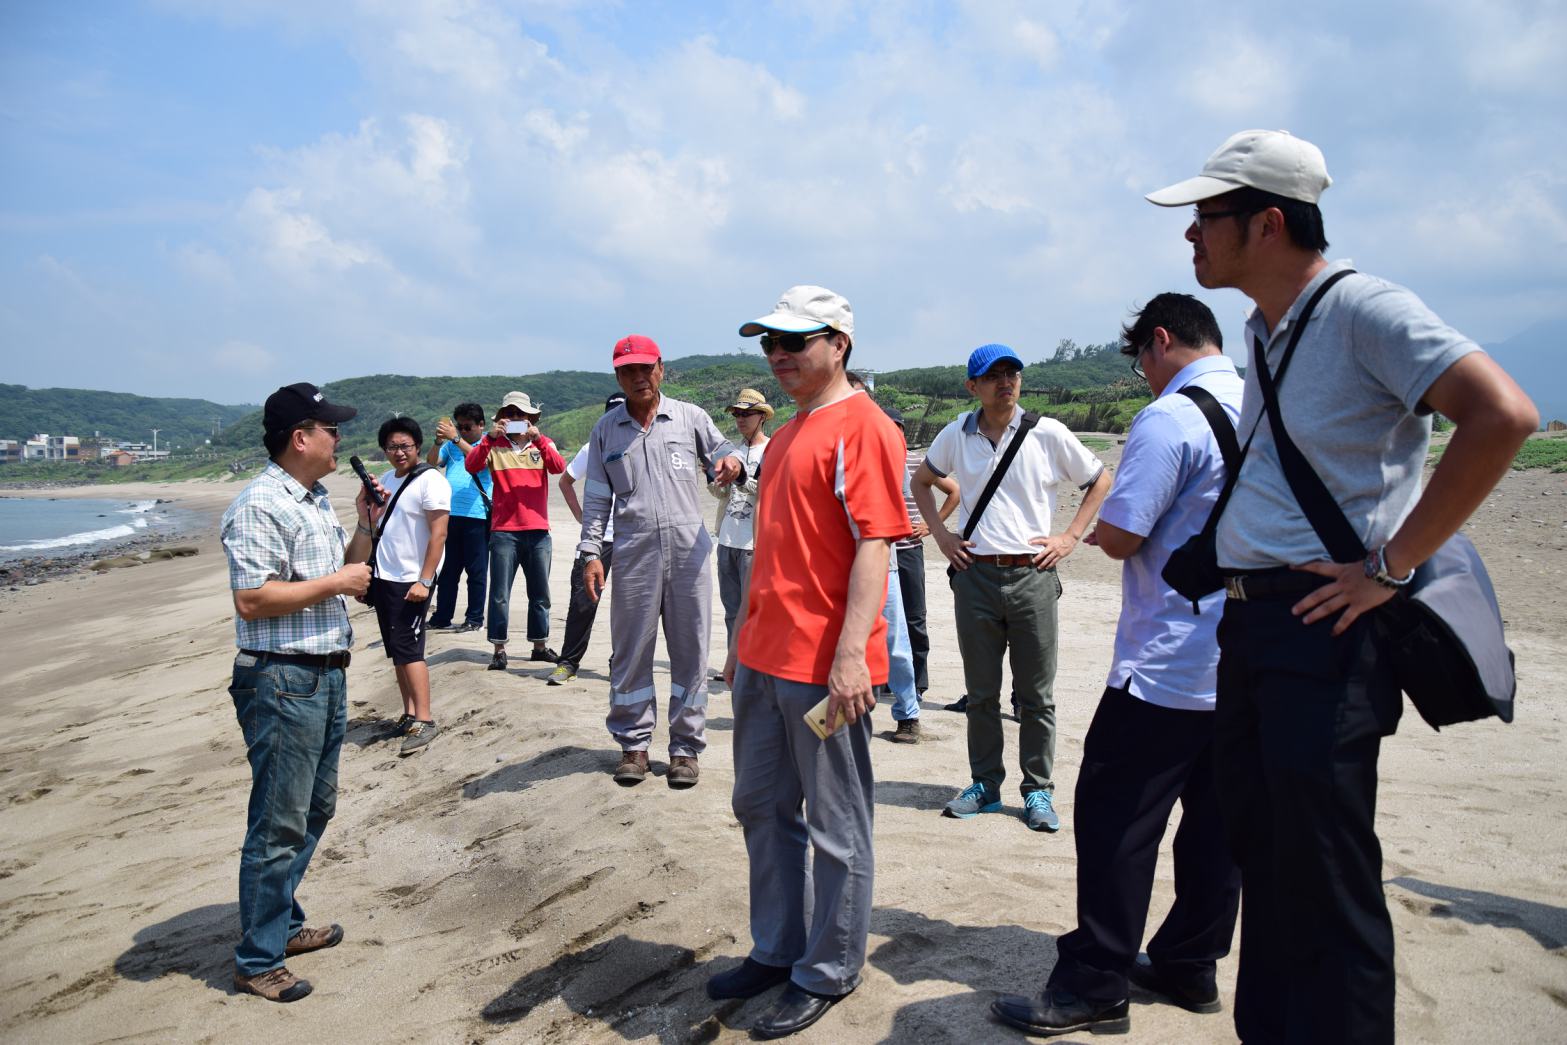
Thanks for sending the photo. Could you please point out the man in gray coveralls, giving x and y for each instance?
(646, 464)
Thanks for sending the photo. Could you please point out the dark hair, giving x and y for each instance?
(853, 375)
(468, 412)
(1303, 221)
(393, 425)
(275, 442)
(1188, 320)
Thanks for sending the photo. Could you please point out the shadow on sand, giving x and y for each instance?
(1546, 923)
(198, 944)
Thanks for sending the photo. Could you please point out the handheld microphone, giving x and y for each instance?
(364, 476)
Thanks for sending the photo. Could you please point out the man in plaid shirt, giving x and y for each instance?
(291, 568)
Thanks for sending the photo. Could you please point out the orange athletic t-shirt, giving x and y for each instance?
(830, 479)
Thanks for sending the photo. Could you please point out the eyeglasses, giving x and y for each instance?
(400, 448)
(1004, 375)
(330, 430)
(1137, 360)
(790, 343)
(747, 413)
(1200, 217)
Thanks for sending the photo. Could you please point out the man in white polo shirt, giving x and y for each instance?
(1151, 741)
(1004, 581)
(1306, 688)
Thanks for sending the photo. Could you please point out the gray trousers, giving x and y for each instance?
(1001, 611)
(811, 912)
(660, 575)
(734, 579)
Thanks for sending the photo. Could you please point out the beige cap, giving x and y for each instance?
(750, 399)
(521, 401)
(1273, 161)
(804, 309)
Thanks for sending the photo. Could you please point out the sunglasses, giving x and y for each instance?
(330, 430)
(790, 343)
(747, 413)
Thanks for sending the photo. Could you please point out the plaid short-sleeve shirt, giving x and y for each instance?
(278, 530)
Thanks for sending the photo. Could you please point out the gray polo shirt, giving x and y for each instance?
(1351, 400)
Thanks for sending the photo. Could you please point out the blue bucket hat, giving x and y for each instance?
(986, 356)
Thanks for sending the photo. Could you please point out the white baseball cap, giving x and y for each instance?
(1273, 161)
(802, 310)
(521, 401)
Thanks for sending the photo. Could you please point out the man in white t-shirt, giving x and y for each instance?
(735, 539)
(1004, 583)
(583, 609)
(409, 546)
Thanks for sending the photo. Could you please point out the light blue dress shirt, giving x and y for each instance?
(1170, 476)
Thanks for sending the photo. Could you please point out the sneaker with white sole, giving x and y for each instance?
(973, 800)
(562, 674)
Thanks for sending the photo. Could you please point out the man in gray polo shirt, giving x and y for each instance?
(1305, 694)
(1151, 741)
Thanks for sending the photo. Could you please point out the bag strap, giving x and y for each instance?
(1321, 510)
(1212, 525)
(1030, 419)
(375, 538)
(1219, 421)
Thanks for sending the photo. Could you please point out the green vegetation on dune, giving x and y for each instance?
(1548, 451)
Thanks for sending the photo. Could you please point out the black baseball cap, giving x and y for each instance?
(293, 405)
(894, 414)
(614, 401)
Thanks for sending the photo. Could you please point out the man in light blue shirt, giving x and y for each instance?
(1151, 739)
(468, 530)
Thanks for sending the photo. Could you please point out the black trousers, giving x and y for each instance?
(1300, 720)
(1138, 758)
(911, 581)
(581, 612)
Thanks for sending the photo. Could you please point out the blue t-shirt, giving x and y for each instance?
(466, 502)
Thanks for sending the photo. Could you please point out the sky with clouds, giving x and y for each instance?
(213, 197)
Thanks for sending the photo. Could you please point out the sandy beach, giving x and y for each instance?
(500, 887)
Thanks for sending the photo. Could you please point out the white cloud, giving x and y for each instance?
(242, 358)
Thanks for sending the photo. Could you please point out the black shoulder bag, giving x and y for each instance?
(1030, 419)
(1193, 568)
(1229, 450)
(1443, 631)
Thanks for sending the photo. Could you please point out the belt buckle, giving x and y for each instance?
(1235, 588)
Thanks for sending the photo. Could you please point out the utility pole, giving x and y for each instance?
(155, 432)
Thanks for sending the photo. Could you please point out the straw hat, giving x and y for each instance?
(751, 399)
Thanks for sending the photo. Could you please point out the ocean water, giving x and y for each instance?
(32, 527)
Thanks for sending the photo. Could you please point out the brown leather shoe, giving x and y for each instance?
(632, 769)
(683, 771)
(274, 985)
(307, 940)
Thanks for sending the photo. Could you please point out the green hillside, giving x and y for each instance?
(25, 412)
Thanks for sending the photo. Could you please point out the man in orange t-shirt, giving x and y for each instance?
(829, 508)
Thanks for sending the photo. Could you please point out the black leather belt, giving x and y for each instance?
(319, 661)
(1271, 584)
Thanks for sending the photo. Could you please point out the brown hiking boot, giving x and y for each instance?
(632, 769)
(908, 732)
(274, 985)
(307, 940)
(682, 771)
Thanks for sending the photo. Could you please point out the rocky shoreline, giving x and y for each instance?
(39, 569)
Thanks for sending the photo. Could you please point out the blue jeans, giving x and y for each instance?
(293, 718)
(900, 657)
(467, 551)
(529, 549)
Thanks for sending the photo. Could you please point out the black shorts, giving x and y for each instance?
(402, 622)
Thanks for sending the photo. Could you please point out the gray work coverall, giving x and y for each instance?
(652, 480)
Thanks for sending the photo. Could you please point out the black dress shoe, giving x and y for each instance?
(795, 1010)
(1058, 1012)
(746, 980)
(1191, 997)
(961, 704)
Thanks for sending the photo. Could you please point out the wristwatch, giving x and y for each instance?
(590, 557)
(428, 582)
(1376, 570)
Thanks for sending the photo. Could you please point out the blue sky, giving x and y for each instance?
(214, 197)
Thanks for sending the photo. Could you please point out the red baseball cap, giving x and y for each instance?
(634, 348)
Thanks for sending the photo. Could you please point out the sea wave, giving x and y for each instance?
(139, 508)
(73, 539)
